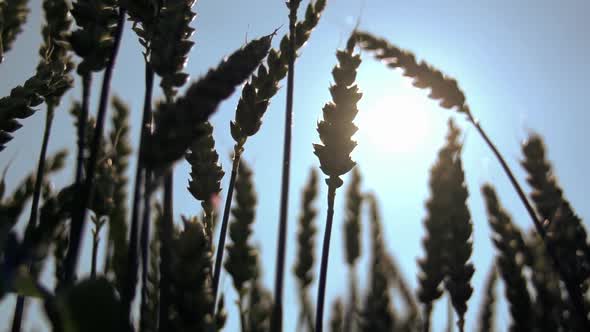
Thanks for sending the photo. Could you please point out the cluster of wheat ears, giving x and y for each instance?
(177, 266)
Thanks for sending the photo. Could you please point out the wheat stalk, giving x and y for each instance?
(79, 215)
(336, 130)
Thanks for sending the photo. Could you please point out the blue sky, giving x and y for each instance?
(521, 64)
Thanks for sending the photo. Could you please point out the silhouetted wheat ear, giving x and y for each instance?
(259, 307)
(51, 79)
(335, 131)
(352, 244)
(377, 313)
(169, 46)
(337, 316)
(11, 207)
(509, 242)
(448, 228)
(564, 228)
(93, 40)
(257, 93)
(487, 310)
(175, 123)
(121, 150)
(241, 258)
(306, 233)
(303, 267)
(552, 311)
(337, 128)
(352, 223)
(206, 174)
(13, 15)
(190, 289)
(442, 87)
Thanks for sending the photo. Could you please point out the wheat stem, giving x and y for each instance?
(20, 302)
(82, 122)
(276, 321)
(223, 232)
(132, 252)
(325, 253)
(80, 213)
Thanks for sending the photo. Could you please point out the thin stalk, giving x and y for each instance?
(165, 253)
(79, 216)
(324, 264)
(132, 259)
(573, 290)
(276, 322)
(82, 121)
(20, 301)
(224, 222)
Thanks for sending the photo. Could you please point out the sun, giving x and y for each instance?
(398, 123)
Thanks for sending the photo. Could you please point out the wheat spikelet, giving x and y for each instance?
(241, 255)
(206, 173)
(13, 15)
(448, 225)
(303, 268)
(442, 87)
(564, 228)
(509, 242)
(337, 128)
(191, 298)
(336, 316)
(352, 224)
(259, 307)
(93, 41)
(487, 311)
(51, 79)
(377, 314)
(170, 44)
(175, 123)
(335, 131)
(257, 93)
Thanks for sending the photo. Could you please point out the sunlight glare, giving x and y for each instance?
(397, 123)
